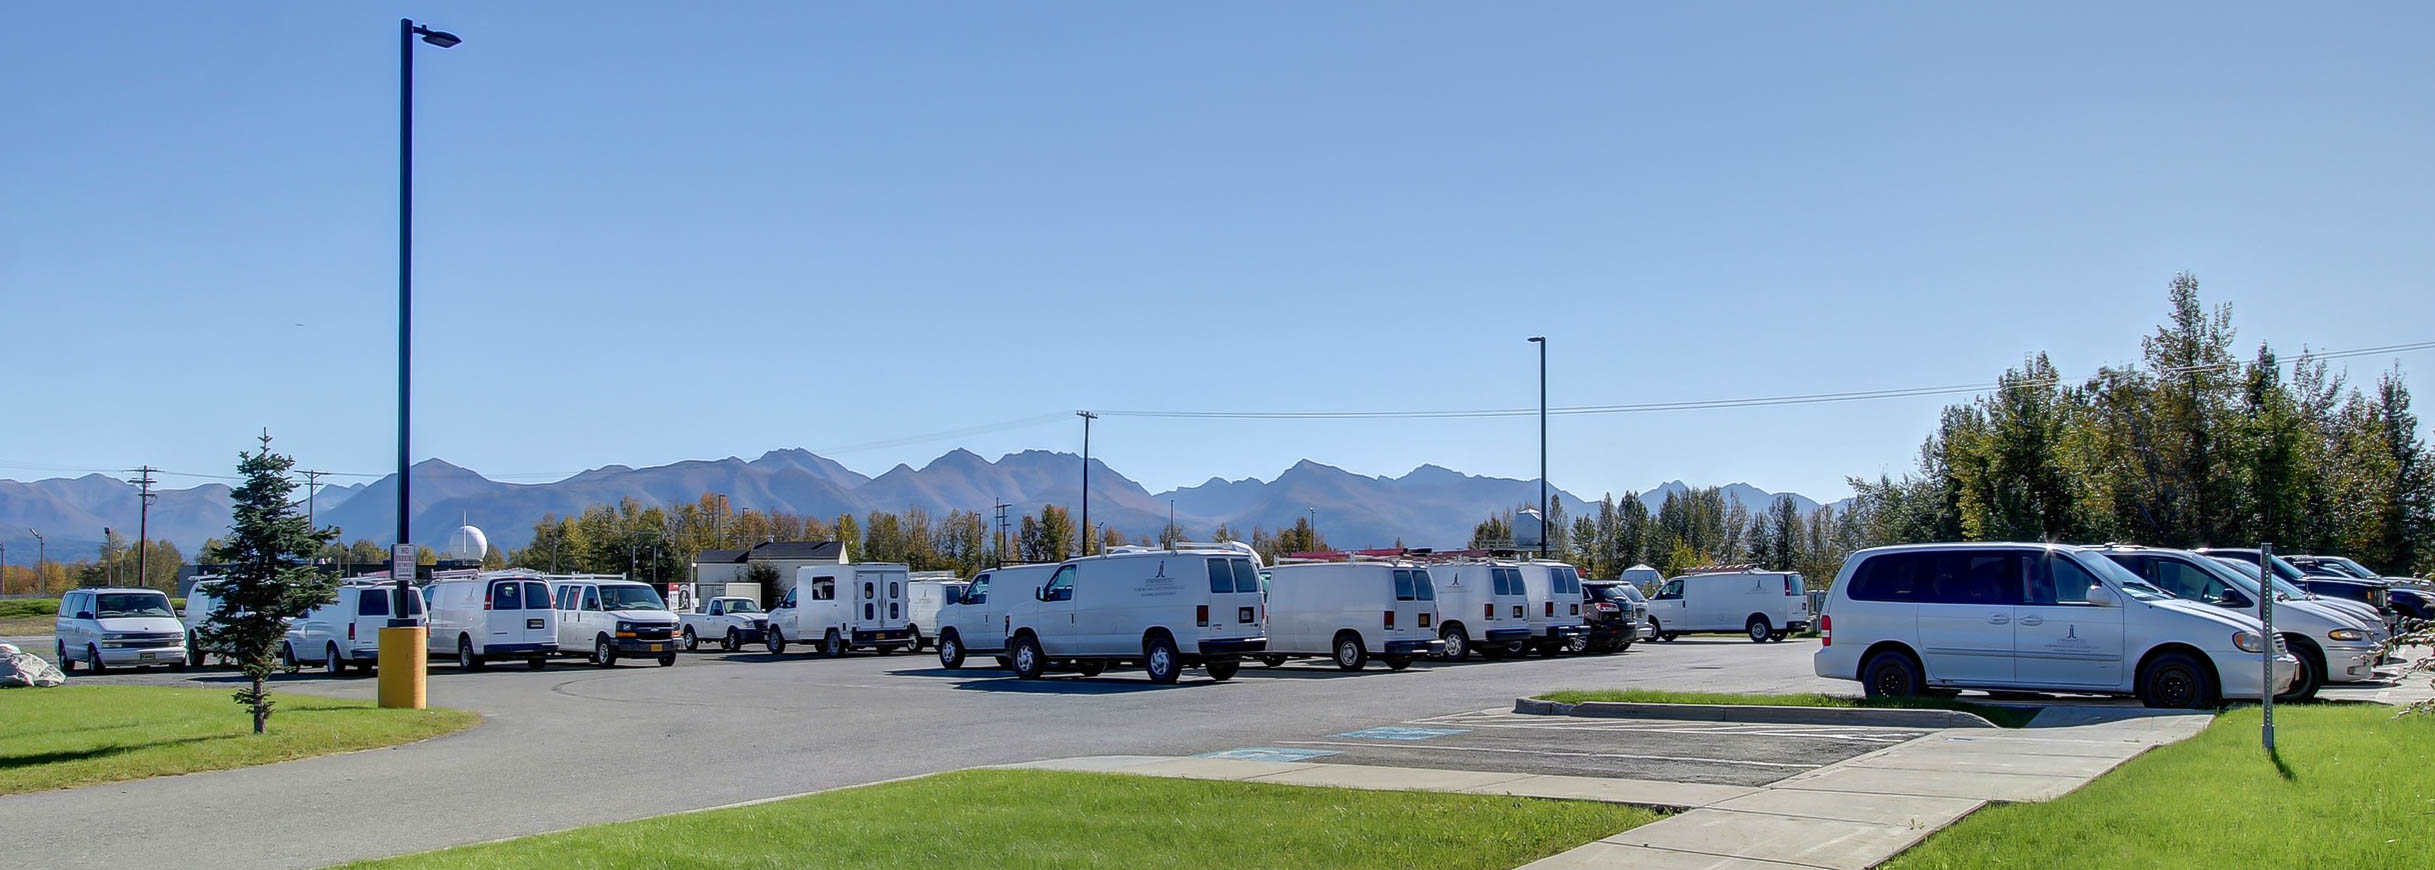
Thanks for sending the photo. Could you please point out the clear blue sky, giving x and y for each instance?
(649, 232)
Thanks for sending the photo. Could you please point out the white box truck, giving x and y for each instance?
(842, 608)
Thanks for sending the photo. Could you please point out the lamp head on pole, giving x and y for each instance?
(440, 38)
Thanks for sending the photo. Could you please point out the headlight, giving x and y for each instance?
(2248, 642)
(623, 625)
(2347, 634)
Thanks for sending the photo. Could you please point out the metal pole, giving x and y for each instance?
(405, 294)
(42, 555)
(2265, 612)
(143, 528)
(1087, 417)
(1546, 526)
(1314, 529)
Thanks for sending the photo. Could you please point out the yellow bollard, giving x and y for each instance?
(402, 663)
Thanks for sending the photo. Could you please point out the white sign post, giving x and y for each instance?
(2265, 614)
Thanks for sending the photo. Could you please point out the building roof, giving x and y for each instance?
(822, 550)
(719, 557)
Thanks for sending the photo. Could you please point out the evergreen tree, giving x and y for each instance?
(269, 578)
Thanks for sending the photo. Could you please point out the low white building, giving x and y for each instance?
(717, 569)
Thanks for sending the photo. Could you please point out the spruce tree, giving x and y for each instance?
(267, 562)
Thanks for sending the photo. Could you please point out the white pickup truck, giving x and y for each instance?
(731, 622)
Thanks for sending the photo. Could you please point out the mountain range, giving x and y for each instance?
(1428, 506)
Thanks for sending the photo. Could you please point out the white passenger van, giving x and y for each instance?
(604, 616)
(1766, 605)
(923, 600)
(2033, 617)
(974, 623)
(1351, 611)
(347, 629)
(202, 602)
(1481, 605)
(844, 607)
(2330, 645)
(111, 627)
(1554, 606)
(1197, 604)
(501, 615)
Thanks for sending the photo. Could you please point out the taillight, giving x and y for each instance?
(1488, 611)
(1551, 608)
(1200, 615)
(1826, 631)
(1390, 619)
(486, 598)
(1576, 610)
(350, 631)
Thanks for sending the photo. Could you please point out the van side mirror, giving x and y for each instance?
(2103, 596)
(1039, 593)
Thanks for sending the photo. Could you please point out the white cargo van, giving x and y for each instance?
(1481, 606)
(975, 622)
(202, 603)
(604, 616)
(1766, 605)
(1197, 604)
(347, 629)
(1554, 606)
(843, 607)
(923, 599)
(489, 616)
(1351, 611)
(2033, 617)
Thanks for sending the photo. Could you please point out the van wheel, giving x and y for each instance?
(2311, 670)
(1025, 659)
(1579, 644)
(194, 651)
(93, 658)
(60, 651)
(732, 641)
(1892, 674)
(287, 658)
(666, 659)
(2175, 681)
(1091, 668)
(775, 640)
(603, 654)
(950, 651)
(1349, 654)
(466, 660)
(1778, 635)
(832, 645)
(1158, 656)
(331, 664)
(1759, 629)
(1396, 663)
(1223, 671)
(536, 663)
(916, 645)
(692, 643)
(1458, 646)
(1494, 651)
(1272, 661)
(1658, 632)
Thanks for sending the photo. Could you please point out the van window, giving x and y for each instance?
(1245, 579)
(536, 596)
(624, 597)
(789, 600)
(1673, 590)
(1792, 584)
(2061, 581)
(371, 602)
(508, 595)
(1422, 587)
(891, 588)
(824, 588)
(978, 592)
(1508, 581)
(1221, 577)
(591, 598)
(1941, 577)
(1568, 581)
(2180, 579)
(1403, 586)
(866, 592)
(1061, 586)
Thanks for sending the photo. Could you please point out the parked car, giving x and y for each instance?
(500, 615)
(2286, 577)
(603, 617)
(1905, 620)
(346, 630)
(975, 622)
(734, 620)
(1196, 605)
(1553, 608)
(1480, 606)
(1351, 612)
(107, 627)
(923, 599)
(2331, 646)
(848, 607)
(1615, 611)
(1765, 605)
(202, 603)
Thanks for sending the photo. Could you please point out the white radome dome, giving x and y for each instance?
(468, 544)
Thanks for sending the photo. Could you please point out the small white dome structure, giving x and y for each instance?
(467, 544)
(1527, 527)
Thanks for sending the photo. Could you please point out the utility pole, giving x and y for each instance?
(1314, 541)
(312, 487)
(143, 525)
(42, 554)
(1087, 417)
(1001, 507)
(1545, 531)
(3, 569)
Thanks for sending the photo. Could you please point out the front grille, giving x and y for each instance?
(654, 632)
(144, 641)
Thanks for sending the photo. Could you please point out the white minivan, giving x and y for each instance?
(493, 615)
(1198, 604)
(1766, 605)
(604, 616)
(1351, 611)
(2033, 617)
(112, 627)
(846, 607)
(975, 622)
(347, 629)
(2330, 645)
(1481, 605)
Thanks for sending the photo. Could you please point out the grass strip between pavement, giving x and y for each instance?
(83, 735)
(1013, 819)
(2349, 787)
(2001, 716)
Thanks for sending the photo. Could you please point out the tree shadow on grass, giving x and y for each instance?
(9, 762)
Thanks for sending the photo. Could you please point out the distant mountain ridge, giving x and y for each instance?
(1428, 506)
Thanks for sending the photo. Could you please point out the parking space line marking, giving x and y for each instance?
(1792, 765)
(1722, 730)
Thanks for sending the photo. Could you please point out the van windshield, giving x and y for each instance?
(622, 597)
(2122, 577)
(113, 605)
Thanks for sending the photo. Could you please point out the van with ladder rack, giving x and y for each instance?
(1351, 607)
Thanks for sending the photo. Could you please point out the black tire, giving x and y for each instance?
(2176, 681)
(1778, 635)
(1091, 667)
(1272, 661)
(1657, 632)
(1159, 658)
(775, 640)
(1759, 629)
(1223, 671)
(2312, 669)
(884, 649)
(1494, 651)
(733, 641)
(93, 660)
(194, 651)
(536, 663)
(1670, 636)
(331, 664)
(60, 649)
(1892, 674)
(832, 644)
(916, 645)
(603, 653)
(1024, 658)
(666, 659)
(1624, 645)
(950, 651)
(179, 667)
(1458, 644)
(1580, 645)
(1349, 654)
(466, 659)
(1396, 663)
(692, 643)
(287, 657)
(1547, 649)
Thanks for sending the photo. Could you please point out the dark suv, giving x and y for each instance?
(1613, 614)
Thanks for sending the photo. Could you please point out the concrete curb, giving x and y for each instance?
(1880, 717)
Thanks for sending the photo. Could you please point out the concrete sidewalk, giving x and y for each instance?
(1847, 816)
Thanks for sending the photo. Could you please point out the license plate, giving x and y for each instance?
(148, 656)
(1242, 614)
(655, 647)
(533, 624)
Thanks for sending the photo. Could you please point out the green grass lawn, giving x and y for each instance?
(81, 735)
(2359, 793)
(2003, 717)
(1012, 819)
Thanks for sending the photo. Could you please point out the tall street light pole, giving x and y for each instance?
(1087, 417)
(1545, 525)
(401, 643)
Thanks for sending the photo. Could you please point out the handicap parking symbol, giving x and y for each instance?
(1397, 732)
(1267, 753)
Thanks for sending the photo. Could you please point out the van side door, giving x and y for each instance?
(2058, 638)
(1965, 613)
(1054, 618)
(1669, 608)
